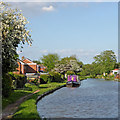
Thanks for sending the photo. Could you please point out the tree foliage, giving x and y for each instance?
(107, 61)
(68, 64)
(37, 61)
(14, 32)
(50, 60)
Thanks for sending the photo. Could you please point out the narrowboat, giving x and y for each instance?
(72, 81)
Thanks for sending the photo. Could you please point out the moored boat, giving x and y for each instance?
(73, 81)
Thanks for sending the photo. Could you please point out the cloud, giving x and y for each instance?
(78, 52)
(44, 51)
(84, 55)
(50, 8)
(30, 9)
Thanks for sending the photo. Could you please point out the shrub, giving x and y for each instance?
(6, 85)
(19, 80)
(36, 81)
(14, 84)
(55, 77)
(70, 73)
(92, 76)
(28, 86)
(50, 79)
(82, 73)
(44, 78)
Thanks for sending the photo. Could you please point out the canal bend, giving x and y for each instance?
(95, 98)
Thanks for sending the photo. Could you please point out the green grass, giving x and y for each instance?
(28, 108)
(15, 95)
(83, 77)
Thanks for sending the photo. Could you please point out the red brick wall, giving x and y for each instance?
(22, 69)
(19, 67)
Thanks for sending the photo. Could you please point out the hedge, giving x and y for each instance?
(6, 85)
(55, 77)
(51, 77)
(44, 78)
(70, 73)
(19, 80)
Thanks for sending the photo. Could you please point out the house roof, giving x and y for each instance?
(20, 61)
(116, 69)
(29, 61)
(24, 62)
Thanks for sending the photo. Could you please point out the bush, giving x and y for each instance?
(82, 73)
(70, 73)
(55, 77)
(28, 86)
(19, 80)
(44, 78)
(6, 85)
(93, 76)
(52, 77)
(36, 81)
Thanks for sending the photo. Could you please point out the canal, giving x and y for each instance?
(95, 98)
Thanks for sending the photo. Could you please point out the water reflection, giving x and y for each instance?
(95, 98)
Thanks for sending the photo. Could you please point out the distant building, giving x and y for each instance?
(28, 66)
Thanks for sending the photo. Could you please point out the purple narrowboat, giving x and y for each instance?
(72, 81)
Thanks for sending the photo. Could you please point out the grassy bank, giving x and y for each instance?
(83, 77)
(108, 77)
(17, 94)
(28, 108)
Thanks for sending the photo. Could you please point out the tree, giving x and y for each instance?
(107, 61)
(14, 32)
(68, 64)
(37, 61)
(117, 65)
(50, 60)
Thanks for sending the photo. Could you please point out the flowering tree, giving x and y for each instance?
(68, 64)
(14, 32)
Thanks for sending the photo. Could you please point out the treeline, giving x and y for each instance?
(103, 63)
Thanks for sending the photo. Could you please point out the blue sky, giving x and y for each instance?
(81, 29)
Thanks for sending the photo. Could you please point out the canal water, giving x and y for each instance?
(95, 98)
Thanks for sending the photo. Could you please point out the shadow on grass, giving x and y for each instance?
(30, 116)
(25, 119)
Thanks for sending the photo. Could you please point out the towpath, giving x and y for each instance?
(8, 112)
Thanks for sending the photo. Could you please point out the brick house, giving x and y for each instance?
(28, 66)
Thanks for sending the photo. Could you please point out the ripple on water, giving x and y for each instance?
(93, 99)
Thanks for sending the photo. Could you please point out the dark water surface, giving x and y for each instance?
(95, 98)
